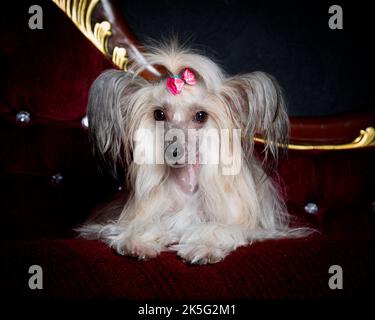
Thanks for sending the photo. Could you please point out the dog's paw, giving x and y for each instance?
(139, 247)
(143, 246)
(200, 253)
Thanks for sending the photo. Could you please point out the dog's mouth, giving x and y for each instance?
(177, 165)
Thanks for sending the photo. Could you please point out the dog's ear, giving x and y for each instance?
(257, 106)
(108, 107)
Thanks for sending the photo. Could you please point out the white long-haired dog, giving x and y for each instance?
(194, 185)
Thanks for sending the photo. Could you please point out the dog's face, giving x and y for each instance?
(171, 127)
(180, 132)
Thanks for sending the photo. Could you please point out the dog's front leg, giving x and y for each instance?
(209, 243)
(140, 239)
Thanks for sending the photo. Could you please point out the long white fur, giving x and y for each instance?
(227, 211)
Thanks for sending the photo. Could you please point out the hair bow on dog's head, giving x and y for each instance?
(176, 83)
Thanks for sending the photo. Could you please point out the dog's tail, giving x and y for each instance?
(102, 222)
(103, 232)
(259, 235)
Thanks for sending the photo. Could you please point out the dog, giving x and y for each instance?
(200, 195)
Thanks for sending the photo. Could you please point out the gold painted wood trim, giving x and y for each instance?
(365, 139)
(80, 12)
(119, 58)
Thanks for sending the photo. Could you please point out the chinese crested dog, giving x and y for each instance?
(186, 142)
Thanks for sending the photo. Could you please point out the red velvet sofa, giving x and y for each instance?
(49, 182)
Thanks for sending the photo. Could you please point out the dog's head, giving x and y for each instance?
(130, 116)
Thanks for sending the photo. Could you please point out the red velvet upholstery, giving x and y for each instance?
(48, 73)
(284, 269)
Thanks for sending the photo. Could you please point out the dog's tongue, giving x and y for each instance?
(187, 177)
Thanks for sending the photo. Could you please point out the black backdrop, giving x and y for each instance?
(322, 71)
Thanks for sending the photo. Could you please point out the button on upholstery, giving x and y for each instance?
(57, 178)
(85, 122)
(23, 117)
(311, 208)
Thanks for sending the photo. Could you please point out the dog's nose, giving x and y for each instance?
(174, 154)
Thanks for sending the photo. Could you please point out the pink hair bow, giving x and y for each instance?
(176, 83)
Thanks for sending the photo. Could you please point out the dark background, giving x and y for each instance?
(322, 71)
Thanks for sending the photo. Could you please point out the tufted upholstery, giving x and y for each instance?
(46, 73)
(49, 182)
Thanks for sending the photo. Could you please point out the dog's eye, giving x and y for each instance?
(201, 116)
(159, 115)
